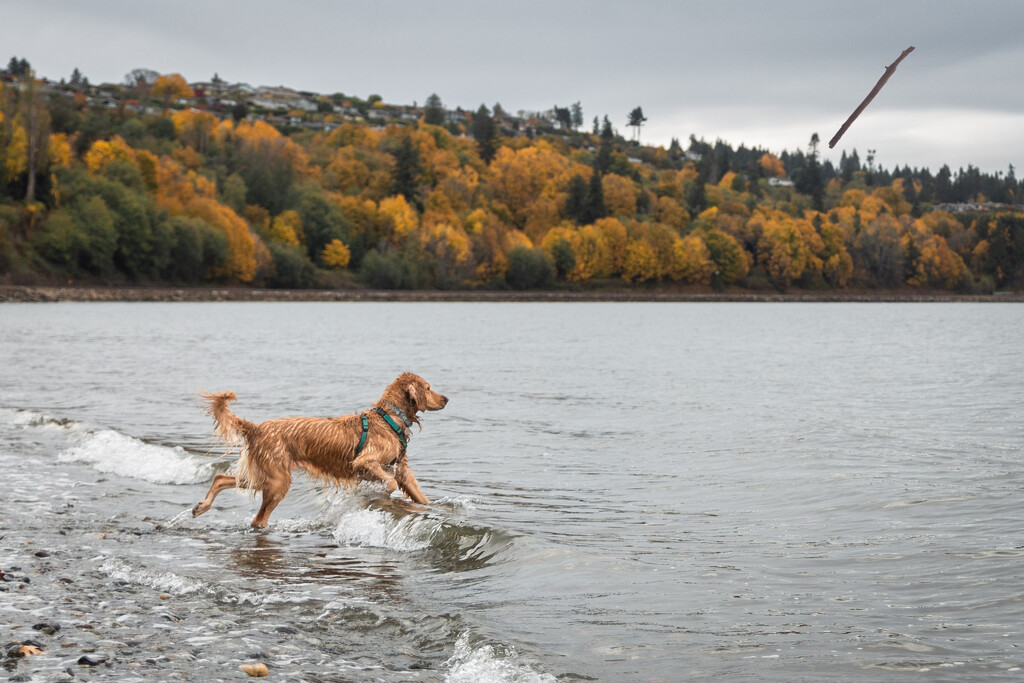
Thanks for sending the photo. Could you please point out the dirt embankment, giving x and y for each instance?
(16, 293)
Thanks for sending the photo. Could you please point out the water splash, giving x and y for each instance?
(178, 518)
(485, 664)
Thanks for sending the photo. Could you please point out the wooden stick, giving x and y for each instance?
(889, 71)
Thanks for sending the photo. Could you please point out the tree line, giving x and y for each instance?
(103, 194)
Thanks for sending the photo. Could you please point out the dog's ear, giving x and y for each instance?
(414, 395)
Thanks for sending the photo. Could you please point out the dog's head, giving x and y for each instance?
(422, 396)
(416, 393)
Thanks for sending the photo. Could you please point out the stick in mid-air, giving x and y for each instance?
(889, 70)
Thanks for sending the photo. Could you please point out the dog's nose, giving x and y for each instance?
(444, 400)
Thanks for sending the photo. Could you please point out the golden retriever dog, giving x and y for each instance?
(370, 445)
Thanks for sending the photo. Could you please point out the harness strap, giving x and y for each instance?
(399, 432)
(366, 429)
(398, 411)
(391, 423)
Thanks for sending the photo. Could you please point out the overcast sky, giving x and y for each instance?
(765, 74)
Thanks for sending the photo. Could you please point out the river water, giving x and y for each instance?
(621, 492)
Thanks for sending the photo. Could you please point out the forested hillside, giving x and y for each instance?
(155, 181)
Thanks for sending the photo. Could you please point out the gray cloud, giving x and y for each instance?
(772, 73)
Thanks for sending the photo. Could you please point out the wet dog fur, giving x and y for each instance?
(325, 447)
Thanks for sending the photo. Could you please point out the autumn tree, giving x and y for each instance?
(771, 166)
(731, 261)
(336, 254)
(171, 86)
(24, 135)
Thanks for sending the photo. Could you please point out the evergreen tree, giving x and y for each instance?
(696, 192)
(809, 181)
(485, 133)
(576, 201)
(434, 111)
(943, 191)
(18, 67)
(405, 177)
(636, 120)
(595, 199)
(564, 117)
(577, 116)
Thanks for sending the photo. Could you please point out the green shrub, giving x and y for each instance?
(529, 269)
(292, 269)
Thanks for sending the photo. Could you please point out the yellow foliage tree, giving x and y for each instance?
(286, 228)
(852, 197)
(336, 254)
(935, 265)
(363, 215)
(184, 192)
(789, 247)
(60, 150)
(641, 263)
(16, 155)
(893, 198)
(103, 152)
(519, 178)
(614, 237)
(196, 128)
(772, 166)
(398, 218)
(171, 86)
(241, 262)
(619, 195)
(668, 211)
(692, 260)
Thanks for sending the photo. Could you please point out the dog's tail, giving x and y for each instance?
(227, 426)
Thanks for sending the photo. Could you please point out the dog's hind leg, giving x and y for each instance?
(221, 482)
(275, 488)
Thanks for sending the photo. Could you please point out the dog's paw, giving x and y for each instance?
(198, 509)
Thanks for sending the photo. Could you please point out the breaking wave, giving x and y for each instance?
(393, 524)
(112, 452)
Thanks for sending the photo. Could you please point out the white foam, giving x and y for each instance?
(115, 453)
(165, 582)
(32, 418)
(485, 665)
(380, 529)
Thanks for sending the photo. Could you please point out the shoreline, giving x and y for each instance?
(44, 294)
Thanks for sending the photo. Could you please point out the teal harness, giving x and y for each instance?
(399, 431)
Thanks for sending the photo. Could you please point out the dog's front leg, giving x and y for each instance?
(408, 483)
(371, 469)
